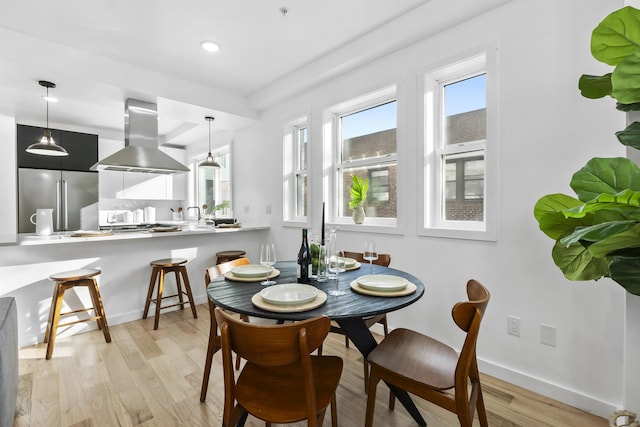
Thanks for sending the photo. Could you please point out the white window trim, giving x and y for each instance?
(431, 182)
(290, 162)
(331, 133)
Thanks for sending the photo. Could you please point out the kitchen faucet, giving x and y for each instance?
(194, 207)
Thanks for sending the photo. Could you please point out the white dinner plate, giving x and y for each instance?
(251, 270)
(382, 282)
(289, 294)
(348, 262)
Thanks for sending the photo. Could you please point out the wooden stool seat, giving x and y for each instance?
(160, 268)
(226, 256)
(65, 281)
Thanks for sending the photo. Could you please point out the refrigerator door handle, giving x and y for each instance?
(65, 215)
(58, 203)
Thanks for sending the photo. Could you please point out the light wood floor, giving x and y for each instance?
(152, 378)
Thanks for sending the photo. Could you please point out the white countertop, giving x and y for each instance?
(26, 239)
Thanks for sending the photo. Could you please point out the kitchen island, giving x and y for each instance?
(123, 258)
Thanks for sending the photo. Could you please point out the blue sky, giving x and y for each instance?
(465, 95)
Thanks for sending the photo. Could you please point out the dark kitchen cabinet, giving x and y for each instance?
(82, 149)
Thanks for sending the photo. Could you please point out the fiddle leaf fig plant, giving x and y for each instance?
(597, 233)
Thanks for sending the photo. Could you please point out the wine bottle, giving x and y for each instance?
(304, 258)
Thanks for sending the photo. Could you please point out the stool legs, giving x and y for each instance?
(158, 275)
(56, 306)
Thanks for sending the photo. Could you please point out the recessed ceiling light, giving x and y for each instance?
(50, 99)
(210, 46)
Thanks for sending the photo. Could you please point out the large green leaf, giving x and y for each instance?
(625, 79)
(625, 239)
(630, 136)
(617, 36)
(549, 211)
(577, 263)
(620, 202)
(626, 272)
(628, 107)
(594, 87)
(598, 232)
(605, 176)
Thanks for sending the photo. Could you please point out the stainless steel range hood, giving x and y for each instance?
(140, 152)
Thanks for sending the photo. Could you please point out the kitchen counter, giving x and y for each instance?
(27, 239)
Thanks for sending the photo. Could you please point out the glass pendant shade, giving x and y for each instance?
(47, 146)
(209, 162)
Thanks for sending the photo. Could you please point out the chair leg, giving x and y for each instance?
(152, 284)
(187, 286)
(334, 412)
(55, 319)
(212, 347)
(156, 320)
(365, 366)
(371, 398)
(346, 341)
(177, 271)
(98, 309)
(482, 413)
(54, 298)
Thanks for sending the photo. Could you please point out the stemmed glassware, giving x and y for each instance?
(336, 263)
(268, 258)
(370, 253)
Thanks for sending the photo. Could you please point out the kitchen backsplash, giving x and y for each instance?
(119, 211)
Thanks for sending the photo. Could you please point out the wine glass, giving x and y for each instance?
(268, 258)
(370, 253)
(336, 266)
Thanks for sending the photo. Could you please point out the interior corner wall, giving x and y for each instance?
(547, 131)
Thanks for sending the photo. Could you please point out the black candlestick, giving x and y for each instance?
(322, 229)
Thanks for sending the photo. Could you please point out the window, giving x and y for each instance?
(459, 187)
(296, 151)
(364, 143)
(214, 186)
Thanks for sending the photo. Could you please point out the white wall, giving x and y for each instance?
(547, 131)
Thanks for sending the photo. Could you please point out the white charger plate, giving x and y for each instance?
(251, 270)
(382, 282)
(289, 294)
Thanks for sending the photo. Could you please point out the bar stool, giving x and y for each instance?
(160, 268)
(67, 280)
(225, 256)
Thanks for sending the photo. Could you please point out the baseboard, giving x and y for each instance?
(548, 389)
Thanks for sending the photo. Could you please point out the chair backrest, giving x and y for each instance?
(272, 345)
(383, 259)
(468, 315)
(219, 269)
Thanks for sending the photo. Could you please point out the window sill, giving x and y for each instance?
(459, 234)
(369, 228)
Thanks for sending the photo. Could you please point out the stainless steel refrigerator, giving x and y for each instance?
(72, 195)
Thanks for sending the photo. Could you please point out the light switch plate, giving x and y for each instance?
(548, 335)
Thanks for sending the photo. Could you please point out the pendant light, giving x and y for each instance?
(209, 162)
(47, 146)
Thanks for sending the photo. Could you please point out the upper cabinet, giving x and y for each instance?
(82, 149)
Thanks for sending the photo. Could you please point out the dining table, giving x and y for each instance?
(348, 310)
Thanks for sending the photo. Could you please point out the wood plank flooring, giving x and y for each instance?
(152, 378)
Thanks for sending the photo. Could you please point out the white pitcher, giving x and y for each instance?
(43, 221)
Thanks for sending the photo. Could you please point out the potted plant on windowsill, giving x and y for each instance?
(358, 192)
(597, 234)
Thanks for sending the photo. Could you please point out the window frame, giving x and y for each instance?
(217, 153)
(291, 152)
(333, 166)
(433, 191)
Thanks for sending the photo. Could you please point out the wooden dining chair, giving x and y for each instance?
(214, 339)
(383, 260)
(429, 368)
(281, 382)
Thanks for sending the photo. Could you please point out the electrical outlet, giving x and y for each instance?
(513, 325)
(548, 335)
(268, 210)
(246, 209)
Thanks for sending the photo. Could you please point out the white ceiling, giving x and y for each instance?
(101, 52)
